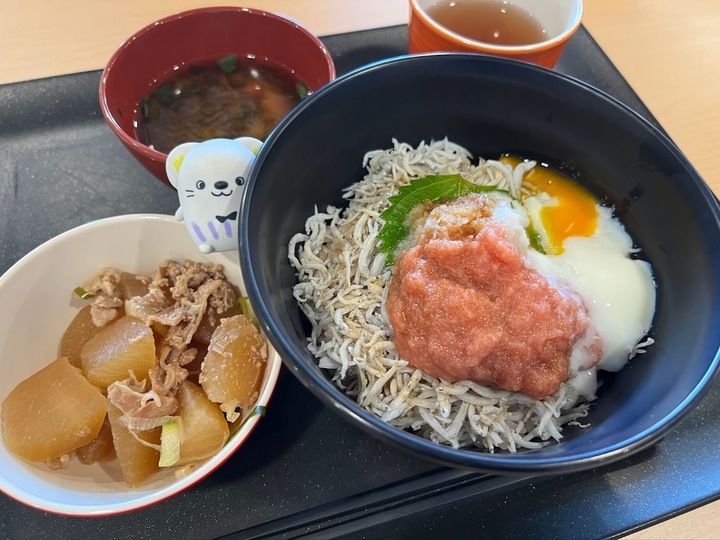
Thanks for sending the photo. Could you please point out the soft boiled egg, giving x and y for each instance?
(560, 209)
(580, 244)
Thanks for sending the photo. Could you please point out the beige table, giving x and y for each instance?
(669, 52)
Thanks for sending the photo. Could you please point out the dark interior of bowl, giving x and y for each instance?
(492, 106)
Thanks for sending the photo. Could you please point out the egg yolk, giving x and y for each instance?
(574, 211)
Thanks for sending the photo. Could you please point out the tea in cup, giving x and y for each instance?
(531, 30)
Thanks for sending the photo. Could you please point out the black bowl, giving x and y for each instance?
(491, 106)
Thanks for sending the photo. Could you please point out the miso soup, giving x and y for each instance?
(229, 98)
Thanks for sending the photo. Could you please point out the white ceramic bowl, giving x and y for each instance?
(36, 295)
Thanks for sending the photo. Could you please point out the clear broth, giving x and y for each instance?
(490, 21)
(229, 98)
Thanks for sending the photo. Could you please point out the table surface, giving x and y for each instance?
(669, 52)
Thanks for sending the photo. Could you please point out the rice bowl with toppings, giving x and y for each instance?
(346, 274)
(492, 106)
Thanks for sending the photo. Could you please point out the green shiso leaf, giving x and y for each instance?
(436, 188)
(228, 63)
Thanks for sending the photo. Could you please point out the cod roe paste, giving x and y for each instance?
(465, 305)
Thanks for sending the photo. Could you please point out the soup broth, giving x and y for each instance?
(229, 98)
(489, 21)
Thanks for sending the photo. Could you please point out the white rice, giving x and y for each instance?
(342, 287)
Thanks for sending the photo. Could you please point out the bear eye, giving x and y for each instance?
(239, 180)
(200, 184)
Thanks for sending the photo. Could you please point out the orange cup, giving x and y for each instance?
(558, 19)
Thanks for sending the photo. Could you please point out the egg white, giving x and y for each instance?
(617, 290)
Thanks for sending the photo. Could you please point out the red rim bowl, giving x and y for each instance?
(146, 58)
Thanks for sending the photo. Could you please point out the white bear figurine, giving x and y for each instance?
(209, 178)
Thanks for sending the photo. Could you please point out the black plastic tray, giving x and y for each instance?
(306, 472)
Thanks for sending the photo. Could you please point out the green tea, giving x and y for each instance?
(490, 21)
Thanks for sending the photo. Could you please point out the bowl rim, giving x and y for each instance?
(178, 485)
(493, 463)
(132, 142)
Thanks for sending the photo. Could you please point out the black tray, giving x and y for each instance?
(305, 471)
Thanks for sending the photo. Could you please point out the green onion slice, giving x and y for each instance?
(82, 293)
(170, 440)
(248, 311)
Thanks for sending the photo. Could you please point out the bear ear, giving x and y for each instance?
(175, 159)
(251, 143)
